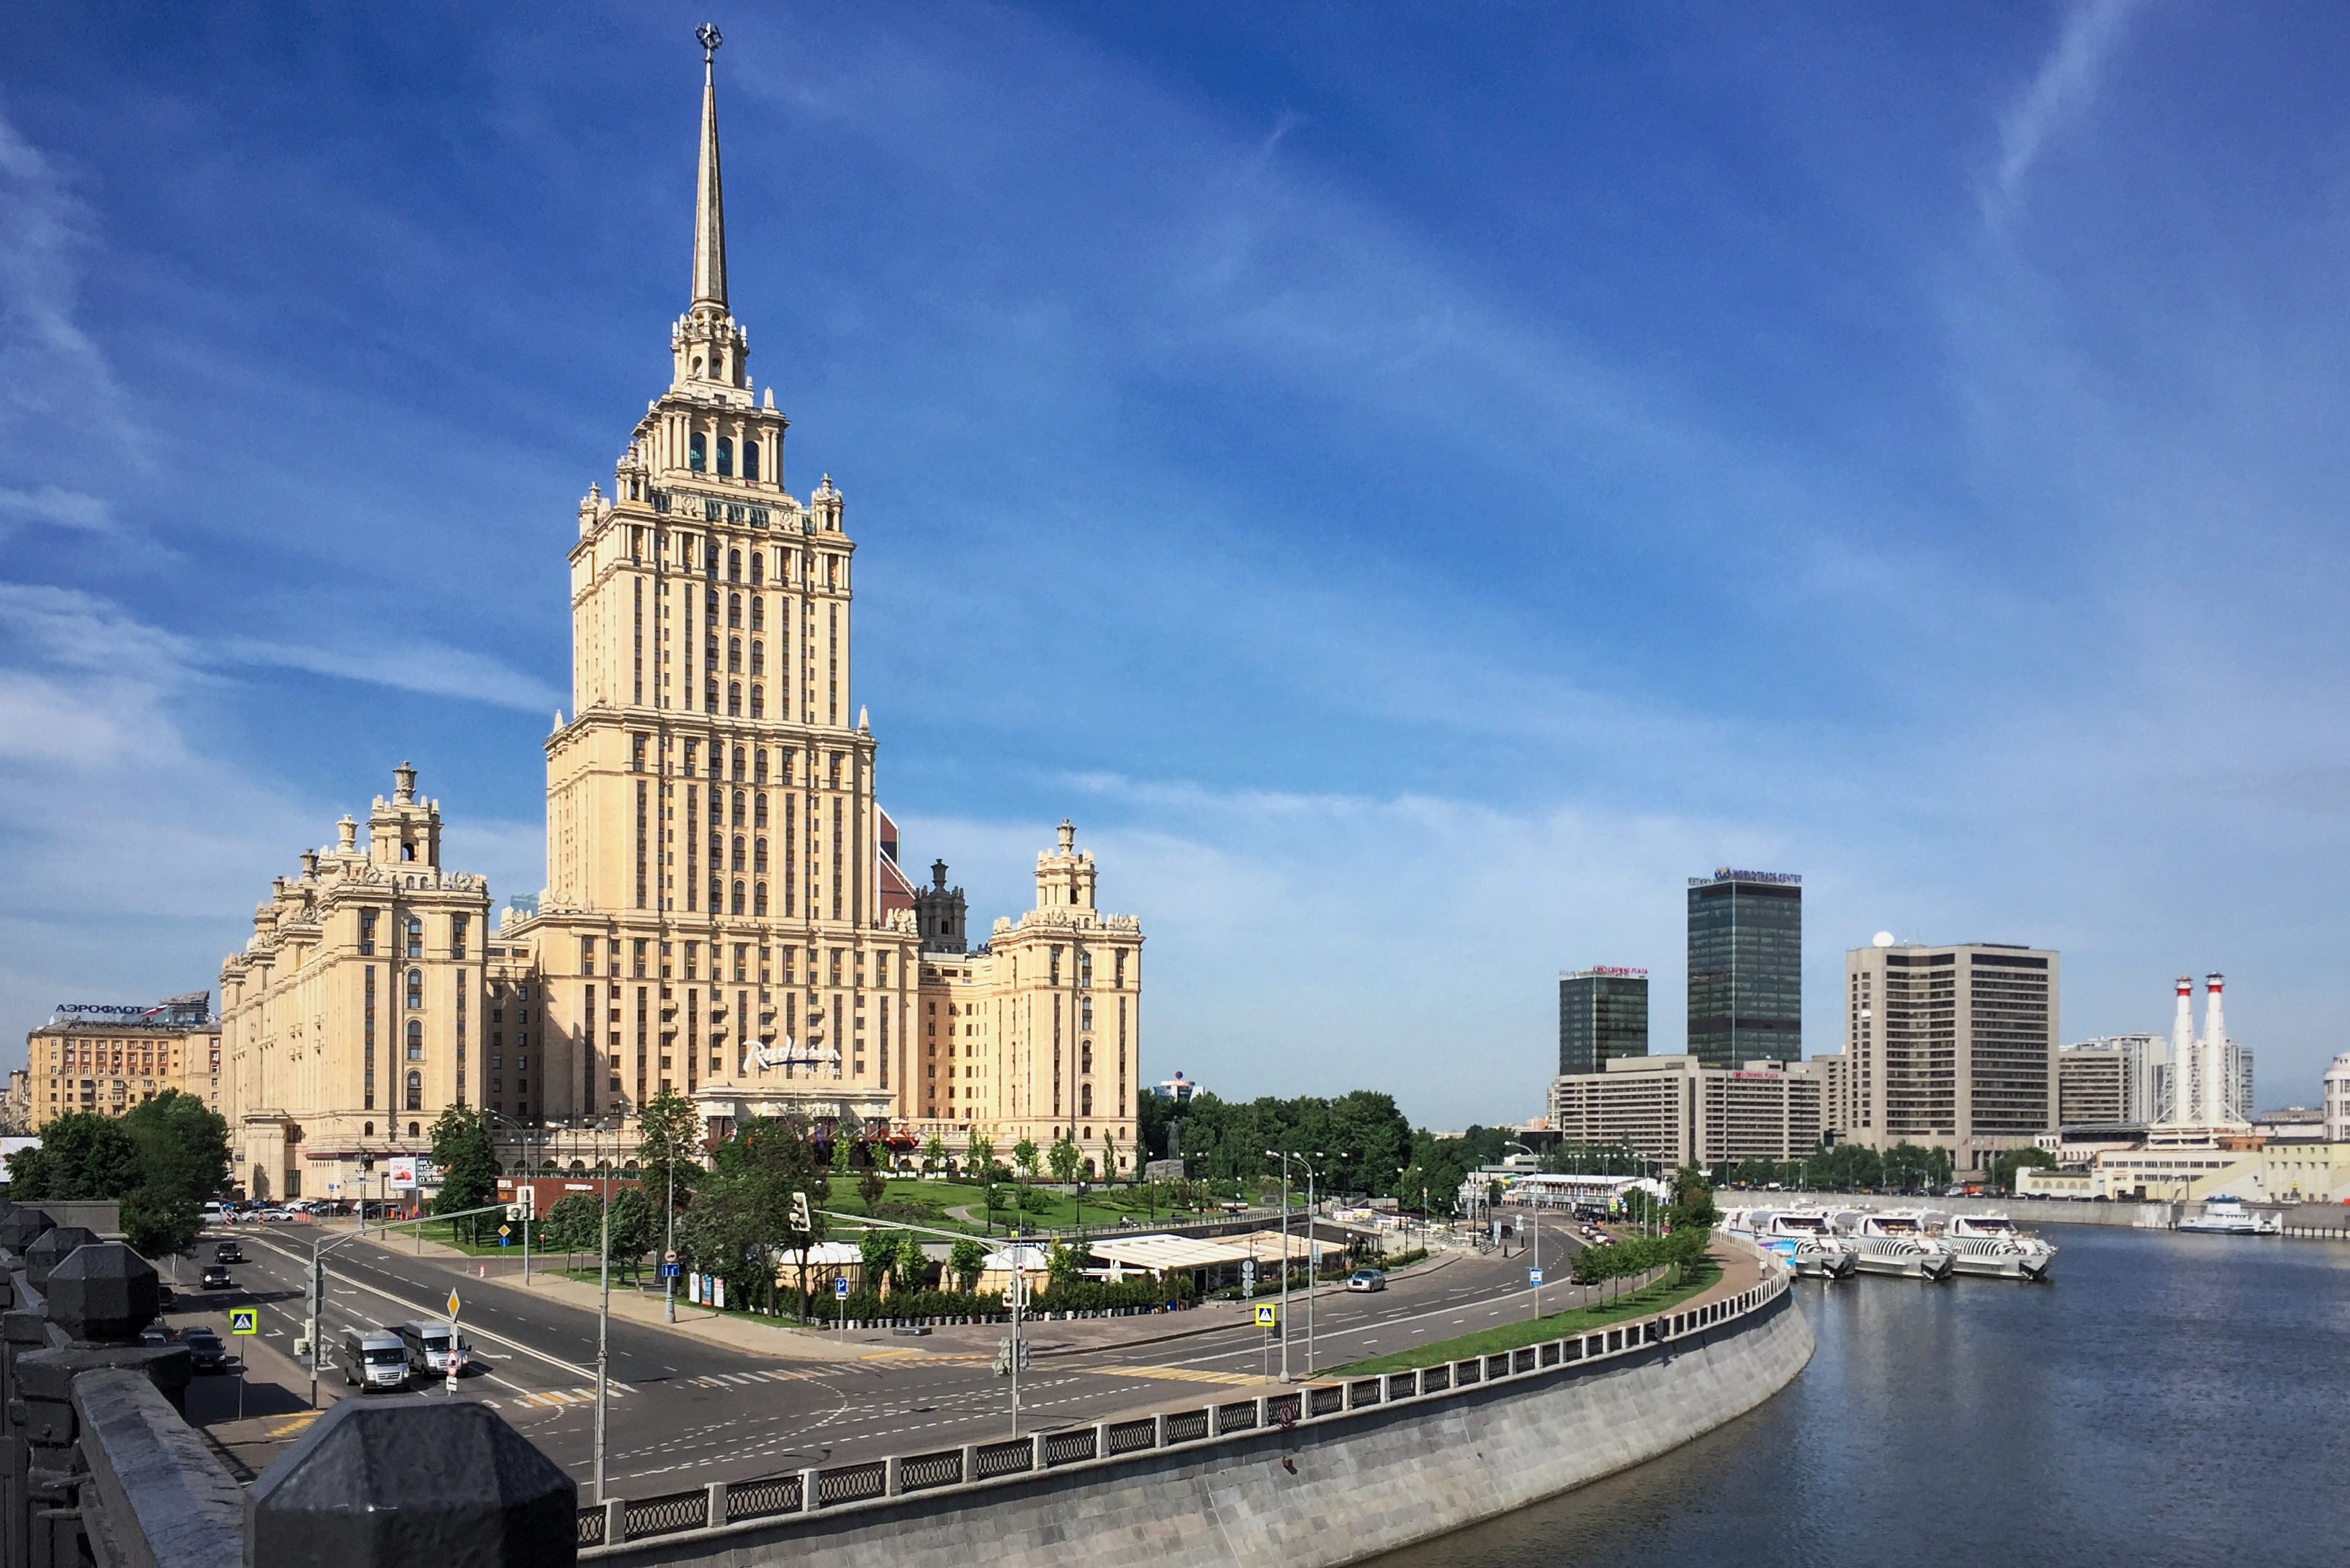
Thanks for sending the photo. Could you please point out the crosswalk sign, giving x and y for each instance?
(1268, 1316)
(244, 1320)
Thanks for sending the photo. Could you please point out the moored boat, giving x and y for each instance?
(2228, 1216)
(1894, 1241)
(1990, 1245)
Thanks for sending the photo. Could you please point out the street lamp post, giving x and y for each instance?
(1536, 1207)
(1312, 1259)
(1277, 1154)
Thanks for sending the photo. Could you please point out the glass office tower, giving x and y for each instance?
(1603, 1014)
(1746, 968)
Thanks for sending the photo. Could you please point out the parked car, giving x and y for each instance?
(204, 1351)
(274, 1216)
(216, 1277)
(166, 1298)
(228, 1252)
(155, 1333)
(1366, 1280)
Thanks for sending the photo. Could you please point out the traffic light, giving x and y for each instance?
(801, 1220)
(1008, 1352)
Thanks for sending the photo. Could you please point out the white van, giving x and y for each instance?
(374, 1358)
(216, 1214)
(429, 1346)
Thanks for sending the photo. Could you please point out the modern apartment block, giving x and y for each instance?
(1679, 1110)
(1952, 1047)
(1746, 966)
(2093, 1085)
(1603, 1015)
(91, 1057)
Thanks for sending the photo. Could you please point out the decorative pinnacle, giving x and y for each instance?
(710, 38)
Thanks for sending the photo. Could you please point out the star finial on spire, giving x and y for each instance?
(710, 38)
(709, 204)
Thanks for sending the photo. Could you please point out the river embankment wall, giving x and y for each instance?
(1347, 1484)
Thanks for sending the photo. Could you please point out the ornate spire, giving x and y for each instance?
(709, 203)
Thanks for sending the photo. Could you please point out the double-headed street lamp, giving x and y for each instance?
(1536, 1207)
(1285, 1158)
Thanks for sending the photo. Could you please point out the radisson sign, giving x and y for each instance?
(1727, 874)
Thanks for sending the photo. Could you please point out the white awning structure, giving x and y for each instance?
(1161, 1252)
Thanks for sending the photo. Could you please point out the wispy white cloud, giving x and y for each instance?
(2061, 91)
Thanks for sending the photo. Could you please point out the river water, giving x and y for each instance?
(2165, 1400)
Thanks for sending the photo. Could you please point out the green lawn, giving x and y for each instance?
(1102, 1208)
(1533, 1330)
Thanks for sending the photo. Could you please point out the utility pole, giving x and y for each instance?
(1313, 1261)
(603, 1320)
(669, 1280)
(1283, 1158)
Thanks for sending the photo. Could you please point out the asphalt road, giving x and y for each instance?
(680, 1412)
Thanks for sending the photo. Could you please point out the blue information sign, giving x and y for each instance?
(670, 1270)
(1533, 1278)
(840, 1290)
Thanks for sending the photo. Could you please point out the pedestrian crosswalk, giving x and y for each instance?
(560, 1398)
(736, 1379)
(1175, 1374)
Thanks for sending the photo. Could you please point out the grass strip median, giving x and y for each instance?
(1649, 1299)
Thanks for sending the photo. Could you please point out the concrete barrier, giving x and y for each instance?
(1300, 1480)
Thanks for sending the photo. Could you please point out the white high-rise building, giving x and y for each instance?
(2337, 1100)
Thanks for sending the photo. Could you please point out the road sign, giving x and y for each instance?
(1248, 1273)
(504, 1239)
(505, 1229)
(1268, 1314)
(453, 1304)
(840, 1290)
(244, 1320)
(670, 1256)
(670, 1270)
(1533, 1278)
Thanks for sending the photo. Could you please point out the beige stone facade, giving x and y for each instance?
(723, 917)
(1678, 1110)
(110, 1058)
(355, 1011)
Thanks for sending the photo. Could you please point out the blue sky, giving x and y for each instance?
(1414, 484)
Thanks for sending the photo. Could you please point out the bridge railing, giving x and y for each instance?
(948, 1473)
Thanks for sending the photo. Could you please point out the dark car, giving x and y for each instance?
(216, 1277)
(155, 1333)
(166, 1298)
(204, 1352)
(228, 1252)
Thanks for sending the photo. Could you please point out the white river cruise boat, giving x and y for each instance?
(2225, 1216)
(1895, 1241)
(1990, 1245)
(1802, 1236)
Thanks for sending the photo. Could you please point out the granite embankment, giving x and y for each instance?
(1354, 1471)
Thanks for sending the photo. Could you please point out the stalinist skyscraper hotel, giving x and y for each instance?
(724, 917)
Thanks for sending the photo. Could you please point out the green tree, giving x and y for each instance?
(636, 1226)
(467, 1164)
(1692, 1203)
(966, 1262)
(878, 1251)
(913, 1263)
(1024, 1156)
(572, 1224)
(1064, 1266)
(1064, 1159)
(934, 1154)
(979, 1156)
(742, 1212)
(159, 1161)
(872, 1183)
(669, 1149)
(1110, 1157)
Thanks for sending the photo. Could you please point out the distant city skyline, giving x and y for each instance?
(1892, 445)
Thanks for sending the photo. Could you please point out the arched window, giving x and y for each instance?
(758, 701)
(737, 818)
(734, 699)
(734, 656)
(415, 1040)
(734, 610)
(416, 988)
(758, 656)
(759, 856)
(415, 1097)
(412, 1127)
(695, 458)
(737, 909)
(1085, 1101)
(367, 1129)
(759, 899)
(725, 457)
(738, 769)
(759, 801)
(734, 566)
(415, 937)
(408, 852)
(751, 470)
(1086, 1056)
(737, 864)
(758, 604)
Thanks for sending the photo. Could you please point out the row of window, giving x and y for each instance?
(459, 929)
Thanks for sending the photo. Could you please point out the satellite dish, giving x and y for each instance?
(1884, 939)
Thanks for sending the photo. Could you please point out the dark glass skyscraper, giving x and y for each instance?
(1745, 968)
(1603, 1014)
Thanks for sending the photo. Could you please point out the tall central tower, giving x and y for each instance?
(712, 879)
